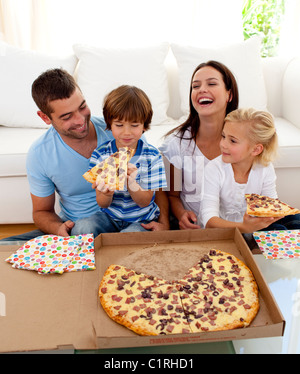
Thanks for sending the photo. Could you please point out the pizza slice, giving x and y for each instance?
(219, 293)
(145, 304)
(264, 206)
(113, 170)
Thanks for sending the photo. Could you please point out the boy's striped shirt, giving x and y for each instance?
(151, 176)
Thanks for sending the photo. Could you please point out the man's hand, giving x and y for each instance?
(65, 228)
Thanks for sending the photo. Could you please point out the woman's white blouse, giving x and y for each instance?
(225, 198)
(187, 157)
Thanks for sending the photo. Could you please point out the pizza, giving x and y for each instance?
(113, 170)
(264, 206)
(218, 293)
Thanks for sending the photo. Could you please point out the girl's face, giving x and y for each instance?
(209, 94)
(126, 134)
(235, 144)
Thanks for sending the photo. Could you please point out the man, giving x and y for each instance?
(59, 158)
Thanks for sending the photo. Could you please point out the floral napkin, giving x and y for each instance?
(55, 254)
(281, 244)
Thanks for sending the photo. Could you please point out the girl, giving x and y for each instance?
(248, 146)
(213, 94)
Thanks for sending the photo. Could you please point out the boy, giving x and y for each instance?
(128, 112)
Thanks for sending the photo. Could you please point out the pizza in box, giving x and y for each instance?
(218, 293)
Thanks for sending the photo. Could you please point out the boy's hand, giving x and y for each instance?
(131, 176)
(104, 188)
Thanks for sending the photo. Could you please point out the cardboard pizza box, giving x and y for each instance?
(50, 312)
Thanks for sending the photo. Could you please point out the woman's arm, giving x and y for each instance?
(186, 218)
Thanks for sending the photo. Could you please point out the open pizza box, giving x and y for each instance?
(63, 311)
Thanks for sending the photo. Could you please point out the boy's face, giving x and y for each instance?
(70, 117)
(126, 133)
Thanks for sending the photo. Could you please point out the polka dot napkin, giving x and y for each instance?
(55, 254)
(281, 244)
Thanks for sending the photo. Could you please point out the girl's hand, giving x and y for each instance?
(251, 224)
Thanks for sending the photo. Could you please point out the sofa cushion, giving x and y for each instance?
(243, 59)
(289, 144)
(18, 69)
(14, 145)
(101, 70)
(291, 92)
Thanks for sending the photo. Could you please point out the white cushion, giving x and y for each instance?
(289, 144)
(18, 69)
(14, 146)
(101, 70)
(244, 61)
(156, 134)
(291, 92)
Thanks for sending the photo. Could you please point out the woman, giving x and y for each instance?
(189, 147)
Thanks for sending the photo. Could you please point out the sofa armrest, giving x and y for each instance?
(291, 92)
(273, 70)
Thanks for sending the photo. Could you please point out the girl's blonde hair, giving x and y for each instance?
(261, 131)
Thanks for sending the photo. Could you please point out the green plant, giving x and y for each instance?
(263, 18)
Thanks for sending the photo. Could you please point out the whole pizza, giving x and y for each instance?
(218, 293)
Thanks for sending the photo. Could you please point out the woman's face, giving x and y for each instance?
(209, 95)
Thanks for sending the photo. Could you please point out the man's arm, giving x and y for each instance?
(46, 219)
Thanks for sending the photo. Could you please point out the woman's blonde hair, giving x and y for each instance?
(261, 130)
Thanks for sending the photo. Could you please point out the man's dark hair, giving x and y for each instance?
(54, 84)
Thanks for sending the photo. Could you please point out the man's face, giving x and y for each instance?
(70, 117)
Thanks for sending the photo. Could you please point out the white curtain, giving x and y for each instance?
(290, 32)
(55, 25)
(24, 23)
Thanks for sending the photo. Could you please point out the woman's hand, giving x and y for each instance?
(188, 221)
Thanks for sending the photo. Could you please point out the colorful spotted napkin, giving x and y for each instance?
(281, 244)
(55, 254)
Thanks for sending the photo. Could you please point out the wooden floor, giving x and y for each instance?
(9, 230)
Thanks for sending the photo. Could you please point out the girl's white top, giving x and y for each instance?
(225, 198)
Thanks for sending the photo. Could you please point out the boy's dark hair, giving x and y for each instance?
(127, 103)
(53, 84)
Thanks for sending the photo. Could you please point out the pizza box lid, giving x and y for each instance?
(50, 312)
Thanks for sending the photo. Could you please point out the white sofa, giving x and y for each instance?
(164, 72)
